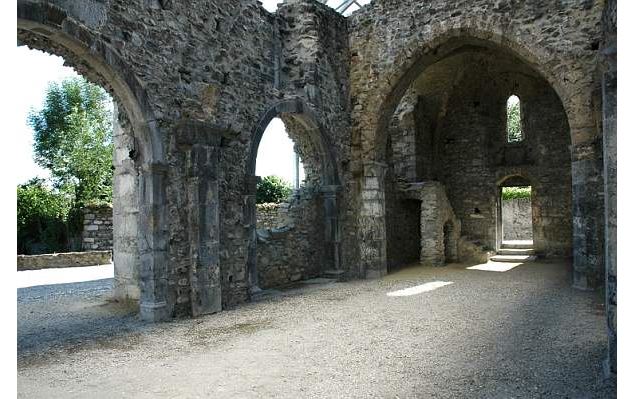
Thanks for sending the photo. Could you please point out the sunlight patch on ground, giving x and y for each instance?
(419, 289)
(494, 266)
(30, 278)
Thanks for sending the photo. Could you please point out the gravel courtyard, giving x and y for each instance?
(451, 332)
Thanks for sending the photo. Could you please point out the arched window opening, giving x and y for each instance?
(514, 120)
(278, 163)
(293, 211)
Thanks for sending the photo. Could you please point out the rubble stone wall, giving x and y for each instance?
(293, 248)
(194, 82)
(61, 260)
(271, 216)
(97, 231)
(393, 43)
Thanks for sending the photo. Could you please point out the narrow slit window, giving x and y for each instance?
(514, 120)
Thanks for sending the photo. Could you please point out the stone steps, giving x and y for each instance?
(517, 244)
(336, 275)
(513, 258)
(516, 251)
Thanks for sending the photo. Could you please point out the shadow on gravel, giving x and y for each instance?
(73, 316)
(548, 347)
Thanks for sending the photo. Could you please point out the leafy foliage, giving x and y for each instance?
(272, 189)
(42, 215)
(73, 139)
(514, 122)
(516, 192)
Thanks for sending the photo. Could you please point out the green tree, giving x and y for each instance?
(272, 189)
(73, 139)
(42, 214)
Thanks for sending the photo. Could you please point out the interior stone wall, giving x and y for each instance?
(516, 215)
(558, 41)
(403, 230)
(473, 153)
(459, 111)
(295, 248)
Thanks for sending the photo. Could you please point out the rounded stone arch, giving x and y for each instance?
(308, 118)
(52, 29)
(443, 42)
(329, 180)
(521, 175)
(49, 28)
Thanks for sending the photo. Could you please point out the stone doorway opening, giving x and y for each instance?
(515, 211)
(140, 271)
(99, 184)
(516, 214)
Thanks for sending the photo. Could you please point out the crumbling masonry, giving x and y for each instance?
(397, 111)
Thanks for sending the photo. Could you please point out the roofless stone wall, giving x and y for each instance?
(196, 83)
(393, 43)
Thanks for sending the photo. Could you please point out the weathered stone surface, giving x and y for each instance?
(67, 259)
(608, 67)
(271, 216)
(401, 92)
(517, 219)
(97, 234)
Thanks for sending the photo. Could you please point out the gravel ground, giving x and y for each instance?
(523, 333)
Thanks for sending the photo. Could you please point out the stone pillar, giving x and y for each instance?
(588, 213)
(372, 224)
(609, 111)
(250, 222)
(331, 225)
(432, 251)
(200, 143)
(153, 238)
(203, 218)
(125, 199)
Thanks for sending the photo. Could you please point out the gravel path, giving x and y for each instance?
(523, 333)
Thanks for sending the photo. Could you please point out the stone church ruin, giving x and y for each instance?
(398, 111)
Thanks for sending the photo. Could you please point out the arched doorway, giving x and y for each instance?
(450, 126)
(140, 248)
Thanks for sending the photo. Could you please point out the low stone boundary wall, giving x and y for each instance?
(67, 259)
